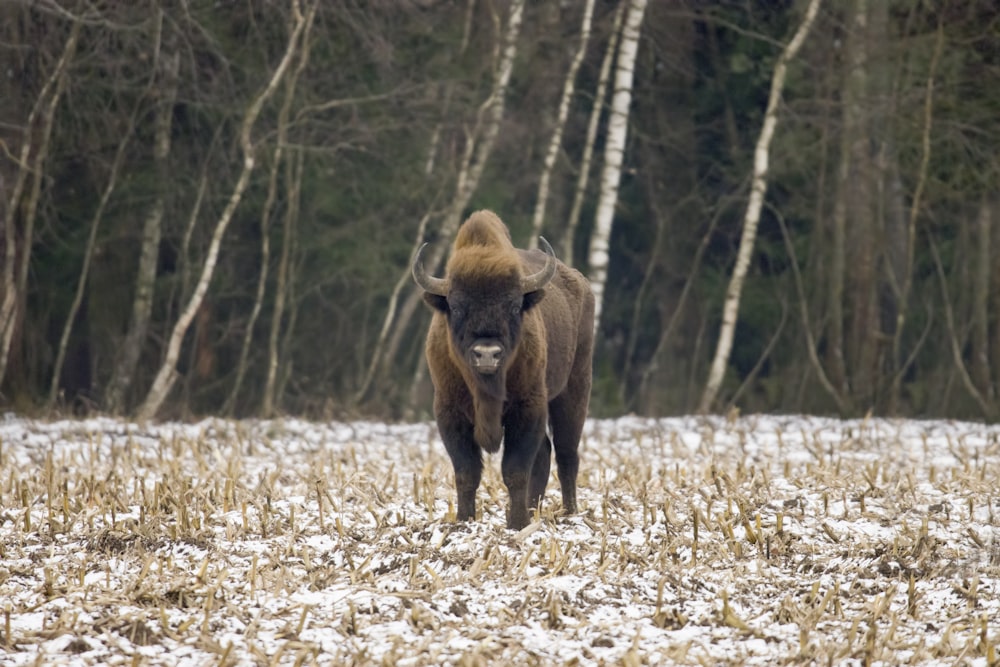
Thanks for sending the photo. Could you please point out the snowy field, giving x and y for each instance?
(758, 541)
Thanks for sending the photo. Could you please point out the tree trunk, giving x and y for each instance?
(994, 307)
(294, 178)
(538, 219)
(380, 353)
(265, 261)
(987, 407)
(167, 374)
(33, 153)
(752, 217)
(861, 205)
(583, 176)
(670, 189)
(290, 238)
(88, 253)
(402, 282)
(477, 154)
(982, 264)
(142, 303)
(277, 157)
(614, 153)
(471, 173)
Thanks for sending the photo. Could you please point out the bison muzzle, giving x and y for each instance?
(510, 350)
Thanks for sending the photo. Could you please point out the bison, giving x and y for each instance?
(510, 350)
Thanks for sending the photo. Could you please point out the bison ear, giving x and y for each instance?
(531, 299)
(436, 301)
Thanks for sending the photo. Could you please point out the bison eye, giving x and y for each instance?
(457, 311)
(515, 309)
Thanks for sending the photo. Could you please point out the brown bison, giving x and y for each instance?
(509, 351)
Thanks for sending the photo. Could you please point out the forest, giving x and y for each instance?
(212, 207)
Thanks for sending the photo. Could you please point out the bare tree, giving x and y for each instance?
(614, 152)
(294, 177)
(34, 150)
(752, 217)
(277, 158)
(478, 148)
(167, 374)
(904, 289)
(538, 219)
(113, 174)
(583, 175)
(987, 407)
(982, 263)
(378, 353)
(142, 302)
(472, 170)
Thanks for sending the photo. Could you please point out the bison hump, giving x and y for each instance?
(483, 228)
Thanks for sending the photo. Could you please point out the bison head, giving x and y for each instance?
(484, 299)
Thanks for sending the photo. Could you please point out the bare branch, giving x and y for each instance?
(13, 285)
(806, 328)
(167, 374)
(569, 86)
(752, 217)
(987, 409)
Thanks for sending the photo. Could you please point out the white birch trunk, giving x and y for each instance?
(614, 151)
(32, 160)
(588, 146)
(538, 220)
(281, 293)
(476, 156)
(168, 371)
(478, 149)
(758, 187)
(142, 303)
(277, 159)
(382, 351)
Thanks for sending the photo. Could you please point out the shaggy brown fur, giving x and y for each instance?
(545, 338)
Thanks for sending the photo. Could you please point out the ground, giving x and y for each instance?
(761, 540)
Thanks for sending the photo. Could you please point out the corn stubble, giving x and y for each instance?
(701, 541)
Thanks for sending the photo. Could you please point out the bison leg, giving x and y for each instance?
(522, 438)
(466, 459)
(540, 473)
(567, 427)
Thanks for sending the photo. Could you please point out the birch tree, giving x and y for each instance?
(292, 188)
(614, 152)
(293, 169)
(167, 374)
(583, 175)
(142, 301)
(538, 219)
(31, 161)
(478, 149)
(752, 216)
(405, 279)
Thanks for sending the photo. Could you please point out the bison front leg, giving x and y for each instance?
(540, 473)
(467, 461)
(522, 437)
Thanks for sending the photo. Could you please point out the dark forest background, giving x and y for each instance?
(875, 281)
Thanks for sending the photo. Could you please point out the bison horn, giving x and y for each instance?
(541, 278)
(429, 283)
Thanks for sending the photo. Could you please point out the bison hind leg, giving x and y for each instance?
(540, 473)
(567, 428)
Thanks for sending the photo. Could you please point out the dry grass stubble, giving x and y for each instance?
(762, 540)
